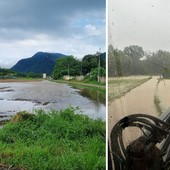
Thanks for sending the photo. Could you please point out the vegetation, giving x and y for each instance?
(57, 140)
(133, 60)
(90, 62)
(11, 74)
(88, 66)
(56, 65)
(93, 92)
(157, 101)
(66, 66)
(93, 76)
(41, 62)
(157, 104)
(120, 86)
(4, 72)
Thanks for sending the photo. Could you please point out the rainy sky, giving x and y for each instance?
(71, 27)
(139, 22)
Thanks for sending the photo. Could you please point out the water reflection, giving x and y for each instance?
(48, 95)
(93, 95)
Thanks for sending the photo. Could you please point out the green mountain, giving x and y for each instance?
(41, 62)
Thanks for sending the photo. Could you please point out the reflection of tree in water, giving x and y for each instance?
(93, 95)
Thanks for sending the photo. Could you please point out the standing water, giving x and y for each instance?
(30, 96)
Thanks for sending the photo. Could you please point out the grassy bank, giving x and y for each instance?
(55, 141)
(101, 87)
(120, 86)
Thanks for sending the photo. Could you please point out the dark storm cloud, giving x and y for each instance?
(52, 16)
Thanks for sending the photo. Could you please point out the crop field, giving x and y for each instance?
(121, 85)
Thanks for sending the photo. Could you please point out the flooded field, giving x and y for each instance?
(46, 95)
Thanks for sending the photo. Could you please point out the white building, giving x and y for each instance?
(44, 75)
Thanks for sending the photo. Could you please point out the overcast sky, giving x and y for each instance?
(71, 27)
(139, 22)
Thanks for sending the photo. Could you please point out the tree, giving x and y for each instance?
(135, 53)
(114, 59)
(66, 66)
(94, 73)
(90, 62)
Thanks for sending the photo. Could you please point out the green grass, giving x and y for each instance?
(94, 82)
(95, 88)
(54, 141)
(101, 87)
(83, 81)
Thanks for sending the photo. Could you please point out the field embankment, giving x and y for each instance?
(101, 87)
(121, 85)
(57, 140)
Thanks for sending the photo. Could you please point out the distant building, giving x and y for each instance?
(44, 75)
(67, 77)
(79, 78)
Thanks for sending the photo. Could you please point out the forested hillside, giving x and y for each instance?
(41, 62)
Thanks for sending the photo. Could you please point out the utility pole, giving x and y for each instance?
(81, 71)
(68, 71)
(98, 54)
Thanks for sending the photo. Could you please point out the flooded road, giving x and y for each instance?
(139, 100)
(45, 95)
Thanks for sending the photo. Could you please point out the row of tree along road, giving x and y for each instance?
(133, 60)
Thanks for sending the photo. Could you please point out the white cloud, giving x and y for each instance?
(91, 30)
(69, 27)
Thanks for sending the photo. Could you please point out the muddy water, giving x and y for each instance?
(46, 95)
(139, 100)
(164, 94)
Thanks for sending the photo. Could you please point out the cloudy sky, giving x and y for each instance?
(139, 22)
(71, 27)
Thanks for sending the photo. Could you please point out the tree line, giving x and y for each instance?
(68, 65)
(133, 60)
(72, 66)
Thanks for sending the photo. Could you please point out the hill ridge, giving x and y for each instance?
(40, 62)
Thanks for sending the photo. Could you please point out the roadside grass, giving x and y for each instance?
(157, 104)
(120, 86)
(55, 140)
(96, 88)
(94, 93)
(94, 82)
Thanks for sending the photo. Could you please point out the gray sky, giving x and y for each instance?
(71, 27)
(139, 22)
